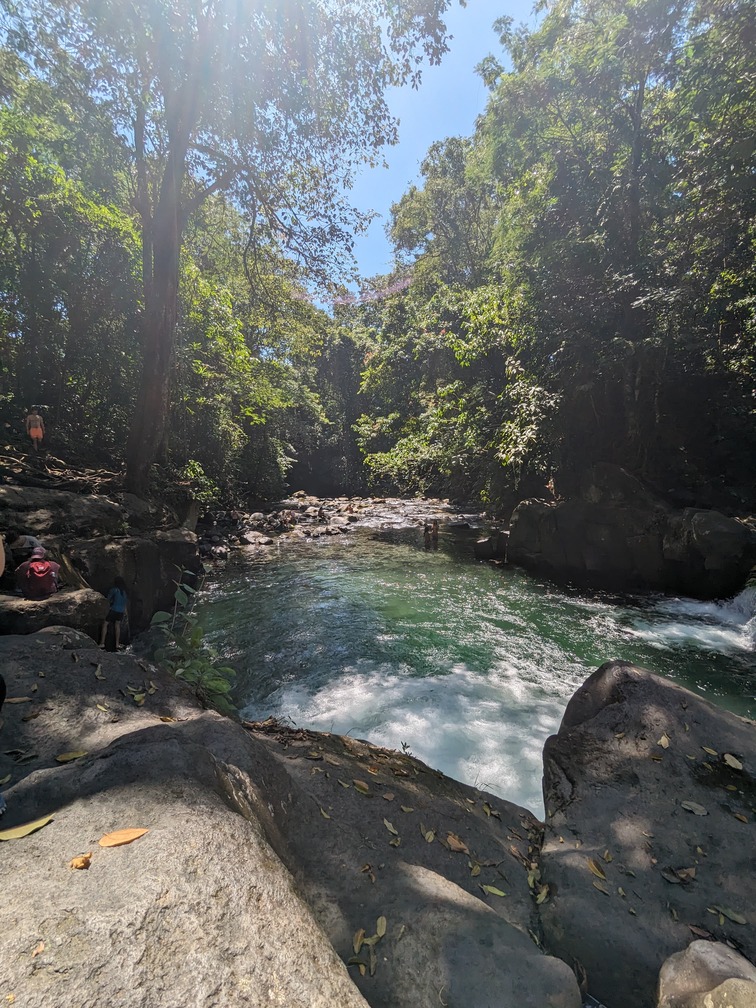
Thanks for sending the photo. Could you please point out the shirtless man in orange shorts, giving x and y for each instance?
(35, 427)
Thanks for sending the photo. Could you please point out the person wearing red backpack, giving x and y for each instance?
(37, 577)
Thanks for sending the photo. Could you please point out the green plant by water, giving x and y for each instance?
(187, 655)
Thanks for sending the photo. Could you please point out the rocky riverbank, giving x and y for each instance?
(287, 867)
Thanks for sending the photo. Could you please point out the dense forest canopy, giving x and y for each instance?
(574, 283)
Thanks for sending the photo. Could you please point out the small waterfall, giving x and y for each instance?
(742, 609)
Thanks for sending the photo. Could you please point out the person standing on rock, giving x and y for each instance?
(434, 533)
(38, 577)
(119, 601)
(35, 427)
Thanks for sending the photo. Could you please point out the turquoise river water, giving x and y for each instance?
(468, 665)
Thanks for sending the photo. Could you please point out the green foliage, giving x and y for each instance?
(187, 656)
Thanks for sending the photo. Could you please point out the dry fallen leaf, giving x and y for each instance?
(694, 807)
(732, 915)
(601, 889)
(324, 813)
(406, 808)
(67, 757)
(380, 927)
(607, 857)
(82, 861)
(139, 699)
(664, 741)
(711, 752)
(456, 844)
(389, 796)
(38, 950)
(700, 932)
(740, 816)
(166, 719)
(395, 841)
(359, 938)
(121, 837)
(18, 832)
(596, 869)
(474, 868)
(543, 894)
(732, 761)
(390, 827)
(361, 786)
(5, 779)
(18, 699)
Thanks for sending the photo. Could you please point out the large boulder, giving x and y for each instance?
(201, 909)
(151, 567)
(619, 535)
(83, 610)
(59, 513)
(650, 797)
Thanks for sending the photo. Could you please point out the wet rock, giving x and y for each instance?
(645, 830)
(618, 535)
(705, 975)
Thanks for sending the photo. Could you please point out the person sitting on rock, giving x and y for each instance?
(20, 545)
(35, 427)
(38, 577)
(119, 600)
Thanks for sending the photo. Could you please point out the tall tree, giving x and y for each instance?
(273, 102)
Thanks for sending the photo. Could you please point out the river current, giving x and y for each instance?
(467, 665)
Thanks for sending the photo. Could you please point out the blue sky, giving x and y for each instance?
(446, 104)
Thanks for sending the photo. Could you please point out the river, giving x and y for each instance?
(467, 665)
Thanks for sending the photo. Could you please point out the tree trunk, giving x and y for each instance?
(148, 425)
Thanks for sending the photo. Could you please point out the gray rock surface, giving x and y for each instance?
(200, 910)
(55, 513)
(649, 831)
(688, 976)
(149, 564)
(83, 609)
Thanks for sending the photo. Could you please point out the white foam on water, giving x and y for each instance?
(485, 730)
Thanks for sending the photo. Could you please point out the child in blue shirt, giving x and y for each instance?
(119, 601)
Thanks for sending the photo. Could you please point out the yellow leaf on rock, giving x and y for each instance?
(67, 757)
(390, 827)
(395, 841)
(664, 741)
(389, 796)
(543, 894)
(166, 719)
(361, 786)
(121, 837)
(711, 752)
(601, 889)
(38, 950)
(596, 869)
(82, 861)
(406, 808)
(324, 814)
(5, 779)
(740, 816)
(607, 857)
(139, 699)
(380, 927)
(492, 890)
(359, 938)
(18, 699)
(732, 761)
(18, 832)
